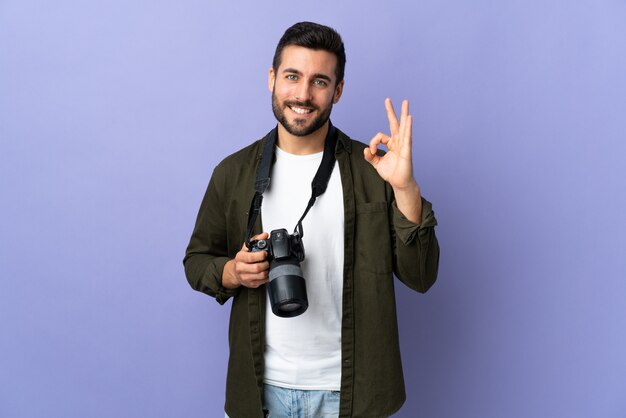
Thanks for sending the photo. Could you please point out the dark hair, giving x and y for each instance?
(313, 36)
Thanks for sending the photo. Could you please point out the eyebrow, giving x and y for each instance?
(317, 75)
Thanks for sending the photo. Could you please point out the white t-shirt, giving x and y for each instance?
(304, 352)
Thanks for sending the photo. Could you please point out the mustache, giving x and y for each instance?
(307, 104)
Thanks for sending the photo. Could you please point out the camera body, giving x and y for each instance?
(287, 288)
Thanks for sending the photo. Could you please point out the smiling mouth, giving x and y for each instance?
(300, 110)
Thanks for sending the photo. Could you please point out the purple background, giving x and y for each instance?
(113, 115)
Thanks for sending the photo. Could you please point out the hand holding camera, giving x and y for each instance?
(273, 258)
(249, 269)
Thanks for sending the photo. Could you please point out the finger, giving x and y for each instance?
(249, 257)
(370, 157)
(370, 152)
(261, 275)
(403, 119)
(377, 139)
(257, 283)
(252, 268)
(409, 130)
(391, 115)
(253, 282)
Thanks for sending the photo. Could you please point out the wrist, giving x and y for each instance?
(410, 187)
(409, 202)
(229, 278)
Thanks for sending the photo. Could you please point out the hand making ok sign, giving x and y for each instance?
(396, 166)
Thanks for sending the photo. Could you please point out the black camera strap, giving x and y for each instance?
(262, 181)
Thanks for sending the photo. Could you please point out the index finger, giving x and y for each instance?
(391, 115)
(249, 257)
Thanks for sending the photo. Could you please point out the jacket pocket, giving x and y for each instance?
(373, 248)
(370, 207)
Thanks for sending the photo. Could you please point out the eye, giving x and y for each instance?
(320, 83)
(291, 77)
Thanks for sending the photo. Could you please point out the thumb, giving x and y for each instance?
(369, 157)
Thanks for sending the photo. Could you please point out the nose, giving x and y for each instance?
(303, 91)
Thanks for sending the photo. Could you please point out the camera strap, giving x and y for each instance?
(262, 181)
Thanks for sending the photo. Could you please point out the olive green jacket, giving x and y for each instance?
(379, 241)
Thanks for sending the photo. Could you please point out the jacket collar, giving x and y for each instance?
(342, 140)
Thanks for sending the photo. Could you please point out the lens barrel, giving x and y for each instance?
(287, 288)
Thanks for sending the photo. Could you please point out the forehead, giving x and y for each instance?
(308, 61)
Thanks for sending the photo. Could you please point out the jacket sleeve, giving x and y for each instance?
(416, 250)
(207, 252)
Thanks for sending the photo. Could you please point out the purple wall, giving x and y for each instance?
(113, 115)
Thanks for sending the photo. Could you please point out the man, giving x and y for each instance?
(341, 356)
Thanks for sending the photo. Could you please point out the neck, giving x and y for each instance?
(302, 145)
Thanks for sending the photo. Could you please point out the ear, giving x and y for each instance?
(338, 91)
(271, 79)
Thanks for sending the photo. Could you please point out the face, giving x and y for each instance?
(304, 89)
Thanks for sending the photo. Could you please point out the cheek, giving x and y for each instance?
(283, 91)
(280, 98)
(330, 98)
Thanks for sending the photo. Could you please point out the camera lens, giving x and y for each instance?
(287, 288)
(290, 307)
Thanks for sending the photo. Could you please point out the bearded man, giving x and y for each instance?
(330, 349)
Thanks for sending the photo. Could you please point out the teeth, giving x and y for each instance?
(301, 111)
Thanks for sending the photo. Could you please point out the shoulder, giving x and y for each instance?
(244, 157)
(239, 167)
(240, 162)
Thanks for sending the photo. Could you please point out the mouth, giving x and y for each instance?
(300, 110)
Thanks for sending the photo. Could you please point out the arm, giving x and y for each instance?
(416, 250)
(207, 252)
(396, 166)
(208, 267)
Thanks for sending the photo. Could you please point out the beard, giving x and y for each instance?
(299, 127)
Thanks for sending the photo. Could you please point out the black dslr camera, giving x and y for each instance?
(287, 288)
